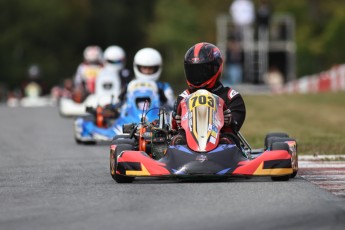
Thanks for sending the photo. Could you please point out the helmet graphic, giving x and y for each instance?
(203, 65)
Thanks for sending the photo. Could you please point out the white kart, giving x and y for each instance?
(32, 98)
(108, 87)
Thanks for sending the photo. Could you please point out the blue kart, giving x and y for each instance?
(103, 123)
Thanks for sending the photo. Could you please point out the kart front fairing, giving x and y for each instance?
(69, 108)
(223, 161)
(140, 98)
(202, 119)
(101, 97)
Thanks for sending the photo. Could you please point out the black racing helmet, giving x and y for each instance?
(203, 65)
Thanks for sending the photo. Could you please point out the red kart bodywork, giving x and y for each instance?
(139, 164)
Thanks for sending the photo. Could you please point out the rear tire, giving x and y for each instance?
(272, 140)
(113, 162)
(281, 137)
(79, 142)
(274, 134)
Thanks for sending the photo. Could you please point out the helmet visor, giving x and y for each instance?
(148, 69)
(198, 74)
(114, 61)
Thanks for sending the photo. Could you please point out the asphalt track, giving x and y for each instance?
(47, 181)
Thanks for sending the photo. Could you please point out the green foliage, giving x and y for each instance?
(54, 33)
(319, 33)
(57, 51)
(178, 25)
(174, 30)
(34, 31)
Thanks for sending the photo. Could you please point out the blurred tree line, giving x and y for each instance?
(54, 33)
(320, 32)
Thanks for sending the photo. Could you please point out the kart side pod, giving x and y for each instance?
(269, 163)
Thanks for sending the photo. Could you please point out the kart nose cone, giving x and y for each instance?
(200, 168)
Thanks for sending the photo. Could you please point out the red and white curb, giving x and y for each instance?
(327, 172)
(329, 80)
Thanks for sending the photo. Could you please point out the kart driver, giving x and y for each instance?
(88, 70)
(113, 76)
(147, 65)
(203, 65)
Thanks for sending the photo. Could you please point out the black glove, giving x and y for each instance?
(90, 109)
(227, 117)
(110, 113)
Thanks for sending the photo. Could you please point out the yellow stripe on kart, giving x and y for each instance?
(143, 172)
(194, 125)
(273, 172)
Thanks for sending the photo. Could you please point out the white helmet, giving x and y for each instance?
(115, 56)
(93, 54)
(34, 72)
(147, 57)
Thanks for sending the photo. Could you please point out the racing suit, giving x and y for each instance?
(86, 76)
(232, 100)
(126, 76)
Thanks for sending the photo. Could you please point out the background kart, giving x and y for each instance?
(107, 91)
(147, 152)
(100, 127)
(70, 108)
(41, 101)
(32, 98)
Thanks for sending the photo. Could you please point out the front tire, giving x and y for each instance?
(113, 163)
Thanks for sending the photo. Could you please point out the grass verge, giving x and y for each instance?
(317, 121)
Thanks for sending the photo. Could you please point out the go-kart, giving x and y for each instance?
(70, 107)
(32, 98)
(151, 150)
(104, 122)
(103, 90)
